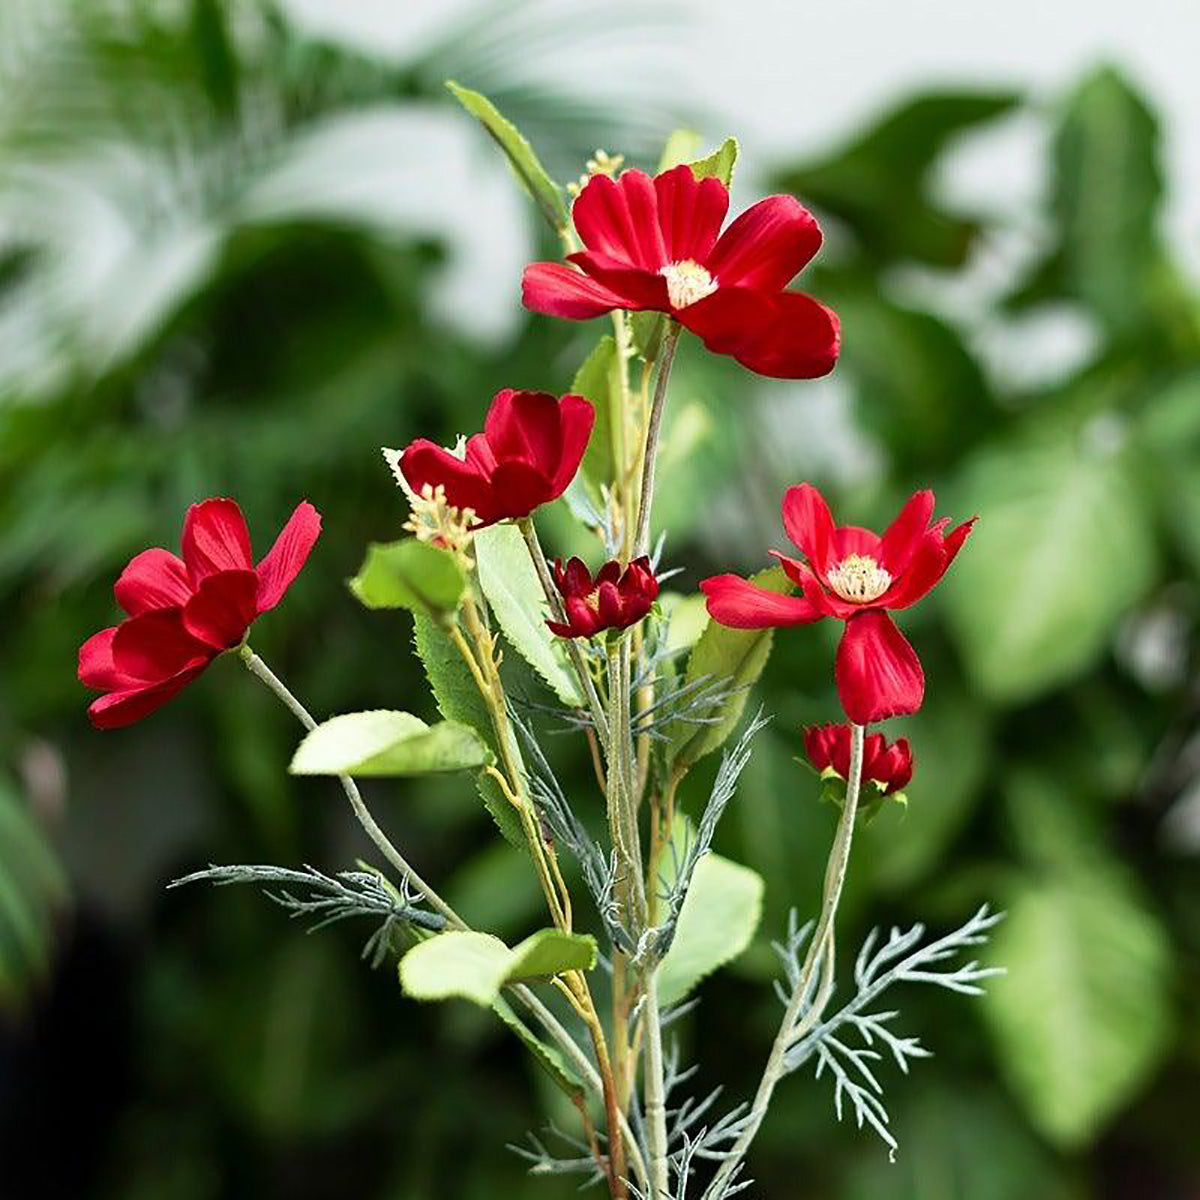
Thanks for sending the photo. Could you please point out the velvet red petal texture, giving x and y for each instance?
(740, 604)
(222, 609)
(613, 599)
(784, 335)
(854, 539)
(766, 246)
(828, 746)
(155, 645)
(282, 563)
(577, 417)
(96, 666)
(809, 524)
(153, 579)
(557, 290)
(124, 707)
(215, 538)
(619, 217)
(690, 212)
(424, 462)
(903, 536)
(638, 288)
(518, 488)
(525, 426)
(878, 673)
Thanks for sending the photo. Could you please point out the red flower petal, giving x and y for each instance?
(577, 417)
(281, 564)
(740, 604)
(96, 666)
(878, 672)
(956, 537)
(903, 535)
(423, 462)
(215, 538)
(690, 212)
(222, 609)
(854, 539)
(153, 579)
(517, 489)
(558, 290)
(154, 646)
(766, 246)
(525, 426)
(809, 524)
(637, 287)
(608, 605)
(123, 708)
(784, 335)
(620, 217)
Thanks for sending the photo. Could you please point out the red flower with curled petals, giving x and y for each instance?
(184, 611)
(854, 575)
(612, 600)
(889, 766)
(654, 244)
(530, 448)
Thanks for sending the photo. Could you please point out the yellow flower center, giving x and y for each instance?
(859, 579)
(687, 282)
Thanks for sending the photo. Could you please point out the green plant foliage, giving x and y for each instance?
(1082, 1016)
(548, 1057)
(409, 574)
(510, 582)
(599, 380)
(458, 700)
(388, 743)
(475, 966)
(1033, 598)
(733, 658)
(524, 162)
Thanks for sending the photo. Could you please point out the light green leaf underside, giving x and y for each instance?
(409, 574)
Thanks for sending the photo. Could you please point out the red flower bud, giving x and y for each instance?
(183, 612)
(529, 450)
(889, 766)
(610, 601)
(653, 244)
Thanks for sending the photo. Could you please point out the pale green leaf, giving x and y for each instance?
(719, 164)
(537, 182)
(547, 1056)
(719, 917)
(599, 380)
(548, 952)
(680, 147)
(383, 742)
(409, 574)
(514, 593)
(1082, 1015)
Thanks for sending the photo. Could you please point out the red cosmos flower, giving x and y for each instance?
(891, 767)
(610, 601)
(530, 448)
(854, 575)
(653, 244)
(183, 612)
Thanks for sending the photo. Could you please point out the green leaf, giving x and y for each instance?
(545, 192)
(459, 700)
(719, 917)
(1063, 548)
(680, 147)
(880, 183)
(388, 743)
(1082, 1015)
(510, 582)
(547, 1056)
(409, 574)
(734, 658)
(599, 380)
(475, 966)
(1170, 431)
(719, 164)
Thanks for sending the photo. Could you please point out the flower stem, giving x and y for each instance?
(641, 543)
(798, 1018)
(260, 670)
(656, 1107)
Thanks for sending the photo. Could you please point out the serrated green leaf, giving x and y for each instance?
(734, 658)
(383, 742)
(409, 574)
(599, 381)
(717, 922)
(458, 699)
(537, 182)
(548, 1057)
(1063, 548)
(514, 593)
(475, 966)
(1082, 1015)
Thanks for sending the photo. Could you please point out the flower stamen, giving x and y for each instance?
(859, 579)
(687, 282)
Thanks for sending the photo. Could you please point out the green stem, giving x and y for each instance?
(656, 1107)
(820, 951)
(641, 543)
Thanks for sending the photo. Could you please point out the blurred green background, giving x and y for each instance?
(212, 281)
